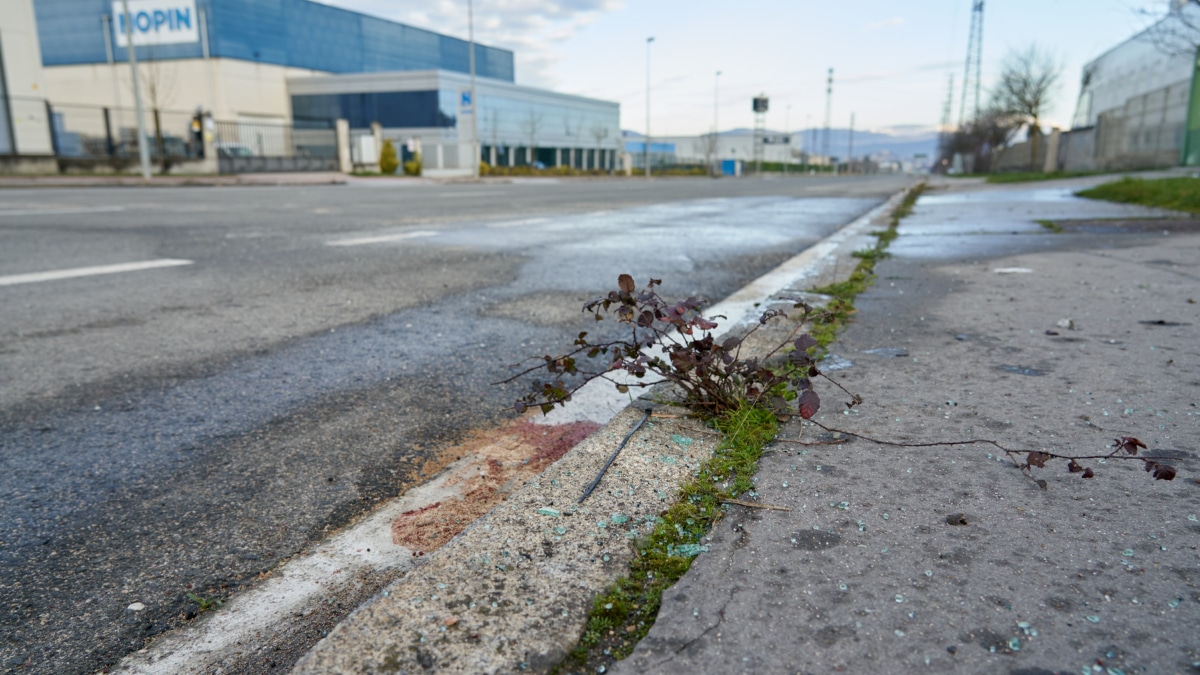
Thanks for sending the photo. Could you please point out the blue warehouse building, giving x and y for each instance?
(271, 71)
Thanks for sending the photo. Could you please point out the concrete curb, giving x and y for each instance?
(513, 591)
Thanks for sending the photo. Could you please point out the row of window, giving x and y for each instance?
(296, 33)
(502, 120)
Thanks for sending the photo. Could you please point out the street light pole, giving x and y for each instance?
(474, 103)
(787, 124)
(646, 149)
(716, 123)
(143, 150)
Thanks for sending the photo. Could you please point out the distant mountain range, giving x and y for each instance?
(871, 143)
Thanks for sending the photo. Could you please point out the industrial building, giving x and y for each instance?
(269, 79)
(1138, 105)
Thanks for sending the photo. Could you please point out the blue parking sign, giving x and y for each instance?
(464, 102)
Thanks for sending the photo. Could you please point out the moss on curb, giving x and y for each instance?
(623, 614)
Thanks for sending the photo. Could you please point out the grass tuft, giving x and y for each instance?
(1179, 194)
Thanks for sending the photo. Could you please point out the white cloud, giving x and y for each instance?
(532, 29)
(886, 23)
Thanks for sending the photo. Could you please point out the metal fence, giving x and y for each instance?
(83, 132)
(306, 145)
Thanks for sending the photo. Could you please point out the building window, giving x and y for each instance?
(396, 109)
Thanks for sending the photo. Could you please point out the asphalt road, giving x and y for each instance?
(183, 429)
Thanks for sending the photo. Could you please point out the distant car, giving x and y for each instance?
(539, 166)
(233, 150)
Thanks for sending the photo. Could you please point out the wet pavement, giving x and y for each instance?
(182, 431)
(949, 559)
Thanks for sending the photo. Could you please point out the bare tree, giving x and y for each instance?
(1028, 79)
(980, 142)
(1178, 31)
(599, 132)
(708, 145)
(531, 125)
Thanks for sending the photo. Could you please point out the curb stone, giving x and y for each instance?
(513, 591)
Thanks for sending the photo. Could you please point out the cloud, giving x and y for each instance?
(886, 23)
(532, 29)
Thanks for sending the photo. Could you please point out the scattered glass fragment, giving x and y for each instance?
(1014, 644)
(842, 586)
(928, 573)
(686, 550)
(885, 516)
(883, 550)
(1128, 553)
(682, 440)
(602, 524)
(899, 598)
(1192, 518)
(547, 511)
(618, 518)
(899, 633)
(560, 530)
(1174, 603)
(1094, 619)
(862, 527)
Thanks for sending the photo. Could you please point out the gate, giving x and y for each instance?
(252, 147)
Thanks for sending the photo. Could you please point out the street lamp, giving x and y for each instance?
(475, 154)
(647, 148)
(716, 124)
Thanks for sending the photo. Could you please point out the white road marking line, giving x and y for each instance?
(380, 239)
(518, 223)
(61, 212)
(55, 275)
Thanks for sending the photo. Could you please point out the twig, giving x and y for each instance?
(799, 442)
(755, 505)
(613, 457)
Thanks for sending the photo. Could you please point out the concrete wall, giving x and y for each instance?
(230, 88)
(1020, 157)
(1077, 150)
(24, 80)
(1146, 132)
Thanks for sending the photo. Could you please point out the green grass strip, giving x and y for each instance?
(623, 614)
(1179, 194)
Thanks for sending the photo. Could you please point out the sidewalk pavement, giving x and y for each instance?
(984, 324)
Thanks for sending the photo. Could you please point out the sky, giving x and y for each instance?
(891, 59)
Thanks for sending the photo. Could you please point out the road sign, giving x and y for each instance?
(465, 104)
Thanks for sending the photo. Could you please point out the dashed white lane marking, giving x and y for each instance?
(380, 239)
(60, 212)
(55, 275)
(519, 223)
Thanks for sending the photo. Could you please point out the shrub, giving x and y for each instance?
(413, 166)
(388, 163)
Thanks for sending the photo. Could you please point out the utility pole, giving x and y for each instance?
(828, 110)
(647, 148)
(974, 64)
(474, 103)
(850, 148)
(143, 151)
